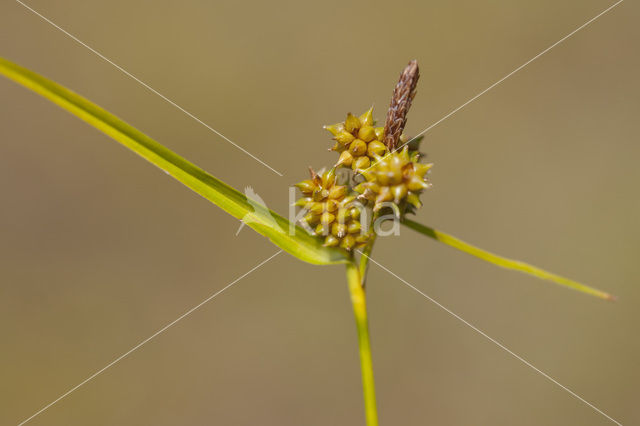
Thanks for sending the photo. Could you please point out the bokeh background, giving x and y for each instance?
(99, 250)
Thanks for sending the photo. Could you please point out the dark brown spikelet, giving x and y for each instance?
(403, 94)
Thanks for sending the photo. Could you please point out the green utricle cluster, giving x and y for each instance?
(331, 212)
(397, 177)
(357, 140)
(343, 214)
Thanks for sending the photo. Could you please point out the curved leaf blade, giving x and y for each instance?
(266, 222)
(503, 261)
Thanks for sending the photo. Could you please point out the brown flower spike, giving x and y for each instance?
(401, 100)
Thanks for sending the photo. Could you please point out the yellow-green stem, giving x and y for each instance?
(364, 260)
(358, 300)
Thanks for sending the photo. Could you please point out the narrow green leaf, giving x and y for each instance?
(258, 217)
(503, 261)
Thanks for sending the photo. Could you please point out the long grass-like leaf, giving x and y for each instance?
(503, 261)
(258, 217)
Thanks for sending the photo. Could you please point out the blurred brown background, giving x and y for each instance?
(99, 250)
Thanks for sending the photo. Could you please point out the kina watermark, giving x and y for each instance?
(323, 218)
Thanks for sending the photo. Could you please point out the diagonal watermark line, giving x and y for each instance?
(505, 77)
(150, 88)
(500, 345)
(163, 329)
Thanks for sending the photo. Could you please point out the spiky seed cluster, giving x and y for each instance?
(398, 178)
(358, 141)
(331, 212)
(389, 176)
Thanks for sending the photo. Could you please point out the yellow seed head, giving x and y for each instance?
(346, 159)
(334, 128)
(351, 123)
(376, 149)
(366, 119)
(366, 133)
(331, 212)
(344, 137)
(358, 148)
(360, 138)
(361, 163)
(397, 177)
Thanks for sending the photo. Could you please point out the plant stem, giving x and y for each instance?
(364, 260)
(358, 300)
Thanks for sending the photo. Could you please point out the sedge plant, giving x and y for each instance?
(340, 219)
